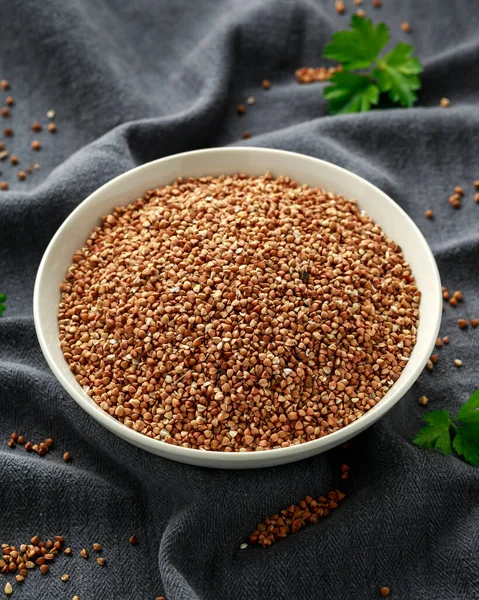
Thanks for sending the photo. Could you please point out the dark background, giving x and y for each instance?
(134, 81)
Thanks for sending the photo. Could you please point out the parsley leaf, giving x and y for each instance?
(3, 299)
(397, 74)
(350, 93)
(436, 433)
(358, 48)
(466, 442)
(469, 412)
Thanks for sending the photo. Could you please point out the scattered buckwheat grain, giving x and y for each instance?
(65, 577)
(238, 313)
(245, 135)
(310, 74)
(423, 400)
(457, 362)
(340, 7)
(36, 126)
(462, 323)
(429, 214)
(36, 145)
(266, 84)
(385, 591)
(308, 512)
(455, 200)
(67, 457)
(474, 322)
(445, 102)
(361, 12)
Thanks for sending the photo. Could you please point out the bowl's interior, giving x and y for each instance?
(253, 161)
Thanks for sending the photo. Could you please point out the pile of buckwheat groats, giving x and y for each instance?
(238, 313)
(290, 520)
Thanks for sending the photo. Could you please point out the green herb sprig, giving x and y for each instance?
(395, 73)
(3, 299)
(465, 427)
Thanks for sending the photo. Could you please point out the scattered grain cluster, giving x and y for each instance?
(290, 520)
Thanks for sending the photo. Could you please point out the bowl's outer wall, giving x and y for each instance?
(253, 161)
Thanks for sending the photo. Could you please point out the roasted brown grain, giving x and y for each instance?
(290, 520)
(311, 75)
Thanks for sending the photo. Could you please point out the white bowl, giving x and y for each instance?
(252, 161)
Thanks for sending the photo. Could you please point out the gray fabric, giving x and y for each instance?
(134, 81)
